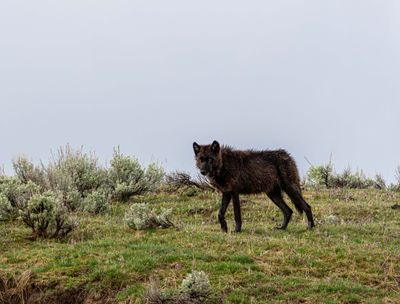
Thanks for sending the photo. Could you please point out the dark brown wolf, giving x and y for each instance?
(235, 172)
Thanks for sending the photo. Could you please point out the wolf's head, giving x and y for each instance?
(208, 158)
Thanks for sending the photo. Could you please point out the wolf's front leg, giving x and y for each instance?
(226, 198)
(236, 210)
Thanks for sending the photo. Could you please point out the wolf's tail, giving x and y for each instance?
(290, 179)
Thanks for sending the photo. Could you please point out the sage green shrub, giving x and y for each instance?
(324, 176)
(320, 176)
(352, 180)
(47, 216)
(76, 170)
(71, 174)
(44, 212)
(128, 178)
(96, 202)
(196, 284)
(141, 216)
(14, 196)
(26, 171)
(396, 186)
(80, 182)
(7, 211)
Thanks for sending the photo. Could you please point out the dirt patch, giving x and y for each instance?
(75, 295)
(21, 289)
(58, 295)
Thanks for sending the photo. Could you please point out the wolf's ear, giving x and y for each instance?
(196, 148)
(215, 147)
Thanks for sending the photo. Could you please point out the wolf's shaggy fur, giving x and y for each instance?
(235, 172)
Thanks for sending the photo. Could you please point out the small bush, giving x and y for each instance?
(44, 212)
(195, 285)
(178, 180)
(321, 175)
(74, 170)
(332, 219)
(141, 217)
(348, 179)
(71, 199)
(379, 182)
(153, 176)
(128, 178)
(7, 211)
(396, 186)
(71, 173)
(324, 176)
(194, 289)
(26, 171)
(78, 180)
(47, 217)
(96, 202)
(14, 196)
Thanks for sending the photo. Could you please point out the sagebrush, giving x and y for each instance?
(43, 212)
(44, 196)
(47, 217)
(325, 176)
(140, 216)
(14, 196)
(196, 284)
(128, 177)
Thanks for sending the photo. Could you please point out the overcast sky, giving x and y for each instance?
(313, 77)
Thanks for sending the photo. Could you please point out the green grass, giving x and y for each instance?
(353, 259)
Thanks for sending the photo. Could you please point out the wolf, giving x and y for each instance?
(234, 172)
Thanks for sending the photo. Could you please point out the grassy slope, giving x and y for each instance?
(351, 257)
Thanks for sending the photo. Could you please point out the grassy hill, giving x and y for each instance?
(352, 256)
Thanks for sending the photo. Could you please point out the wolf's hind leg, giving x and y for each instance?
(277, 199)
(295, 195)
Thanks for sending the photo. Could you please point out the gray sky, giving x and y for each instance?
(314, 77)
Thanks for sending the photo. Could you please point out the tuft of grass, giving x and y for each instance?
(15, 288)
